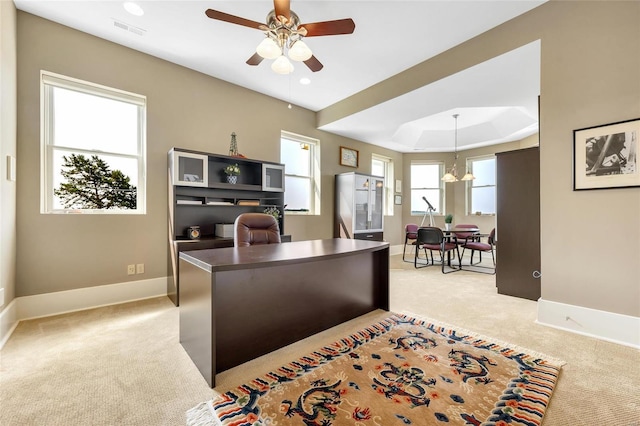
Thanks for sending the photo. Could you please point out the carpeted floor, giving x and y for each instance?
(123, 365)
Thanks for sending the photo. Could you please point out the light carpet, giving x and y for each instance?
(402, 370)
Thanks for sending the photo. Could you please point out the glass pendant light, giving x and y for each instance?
(282, 65)
(452, 174)
(269, 49)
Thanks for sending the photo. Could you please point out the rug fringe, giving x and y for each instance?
(551, 359)
(202, 415)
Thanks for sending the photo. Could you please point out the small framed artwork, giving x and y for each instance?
(398, 199)
(398, 186)
(348, 157)
(606, 156)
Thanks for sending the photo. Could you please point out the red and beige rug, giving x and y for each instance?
(400, 371)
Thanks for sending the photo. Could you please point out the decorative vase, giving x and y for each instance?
(447, 227)
(232, 179)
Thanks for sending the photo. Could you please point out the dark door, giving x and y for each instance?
(518, 223)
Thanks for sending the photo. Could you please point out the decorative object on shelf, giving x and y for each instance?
(273, 211)
(194, 232)
(232, 171)
(452, 174)
(233, 147)
(447, 222)
(348, 157)
(606, 156)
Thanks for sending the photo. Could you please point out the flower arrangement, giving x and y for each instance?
(273, 211)
(232, 170)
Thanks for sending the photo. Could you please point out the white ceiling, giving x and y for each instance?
(496, 100)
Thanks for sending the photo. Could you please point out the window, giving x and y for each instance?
(383, 166)
(481, 193)
(93, 145)
(301, 157)
(426, 182)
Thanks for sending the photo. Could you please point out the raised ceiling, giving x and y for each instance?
(496, 100)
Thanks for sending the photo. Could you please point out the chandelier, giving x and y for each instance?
(452, 174)
(283, 40)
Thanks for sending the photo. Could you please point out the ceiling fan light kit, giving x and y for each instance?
(269, 49)
(282, 65)
(284, 34)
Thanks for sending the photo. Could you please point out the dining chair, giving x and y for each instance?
(432, 238)
(479, 246)
(410, 236)
(254, 229)
(461, 238)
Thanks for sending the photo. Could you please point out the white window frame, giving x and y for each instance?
(388, 182)
(470, 185)
(314, 178)
(441, 186)
(48, 81)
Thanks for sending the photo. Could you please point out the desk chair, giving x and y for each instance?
(410, 235)
(432, 238)
(479, 246)
(255, 228)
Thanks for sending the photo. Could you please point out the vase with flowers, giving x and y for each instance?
(232, 171)
(273, 211)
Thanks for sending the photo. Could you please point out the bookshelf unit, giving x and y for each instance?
(199, 195)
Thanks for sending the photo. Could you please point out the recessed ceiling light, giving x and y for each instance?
(133, 8)
(305, 81)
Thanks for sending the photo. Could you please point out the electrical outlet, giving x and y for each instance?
(140, 268)
(131, 269)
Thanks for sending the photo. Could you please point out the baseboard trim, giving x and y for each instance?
(62, 302)
(8, 321)
(603, 325)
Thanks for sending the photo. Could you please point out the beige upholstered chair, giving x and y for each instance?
(255, 228)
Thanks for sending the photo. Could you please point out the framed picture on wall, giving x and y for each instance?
(348, 157)
(606, 156)
(398, 199)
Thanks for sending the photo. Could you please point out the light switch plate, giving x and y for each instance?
(11, 168)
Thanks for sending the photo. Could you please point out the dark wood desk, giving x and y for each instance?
(237, 304)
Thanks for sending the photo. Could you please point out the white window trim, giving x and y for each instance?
(316, 174)
(49, 79)
(388, 183)
(441, 186)
(469, 186)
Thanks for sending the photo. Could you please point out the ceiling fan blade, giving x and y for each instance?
(254, 60)
(221, 16)
(282, 8)
(314, 64)
(340, 26)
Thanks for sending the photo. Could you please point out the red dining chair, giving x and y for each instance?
(432, 238)
(410, 236)
(481, 247)
(461, 238)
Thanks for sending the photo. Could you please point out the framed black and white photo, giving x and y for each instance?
(606, 156)
(398, 199)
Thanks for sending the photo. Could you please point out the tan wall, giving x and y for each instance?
(590, 75)
(185, 109)
(8, 111)
(590, 239)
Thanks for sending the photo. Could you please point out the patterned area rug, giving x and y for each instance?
(400, 371)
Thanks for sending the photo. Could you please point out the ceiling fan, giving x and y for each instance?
(284, 34)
